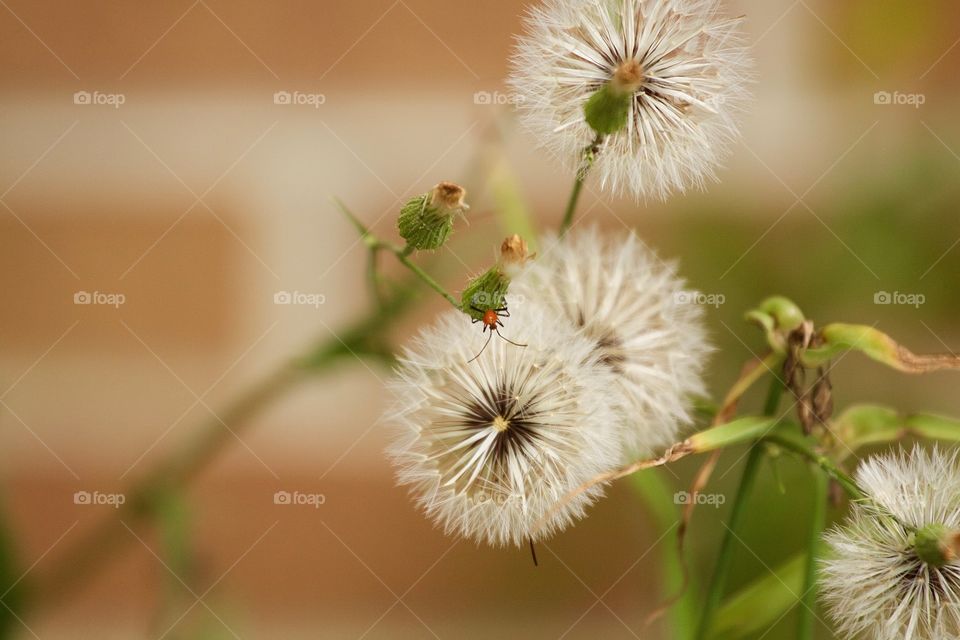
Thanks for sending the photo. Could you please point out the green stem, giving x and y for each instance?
(774, 393)
(586, 163)
(373, 276)
(808, 600)
(402, 256)
(725, 555)
(827, 465)
(658, 498)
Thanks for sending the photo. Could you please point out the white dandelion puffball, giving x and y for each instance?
(641, 322)
(691, 66)
(873, 581)
(490, 447)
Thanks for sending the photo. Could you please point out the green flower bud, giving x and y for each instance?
(606, 111)
(426, 221)
(936, 545)
(486, 291)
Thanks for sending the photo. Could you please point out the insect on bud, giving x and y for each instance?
(606, 111)
(426, 221)
(486, 291)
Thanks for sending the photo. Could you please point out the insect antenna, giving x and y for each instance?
(490, 335)
(516, 344)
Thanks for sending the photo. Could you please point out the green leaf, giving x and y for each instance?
(876, 345)
(759, 605)
(659, 500)
(777, 316)
(934, 427)
(868, 424)
(736, 431)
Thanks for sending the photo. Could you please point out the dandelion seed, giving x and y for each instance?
(893, 571)
(629, 304)
(489, 447)
(683, 65)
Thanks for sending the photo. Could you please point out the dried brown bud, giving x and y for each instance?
(514, 250)
(449, 196)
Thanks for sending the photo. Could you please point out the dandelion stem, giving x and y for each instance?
(402, 256)
(808, 599)
(658, 498)
(375, 244)
(586, 163)
(373, 276)
(826, 464)
(725, 555)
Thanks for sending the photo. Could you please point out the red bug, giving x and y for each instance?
(491, 321)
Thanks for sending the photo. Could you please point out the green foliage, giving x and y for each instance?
(761, 603)
(734, 432)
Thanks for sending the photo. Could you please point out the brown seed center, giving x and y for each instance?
(628, 77)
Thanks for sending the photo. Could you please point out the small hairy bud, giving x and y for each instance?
(426, 221)
(486, 291)
(607, 110)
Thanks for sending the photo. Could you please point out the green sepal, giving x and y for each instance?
(487, 291)
(424, 226)
(930, 546)
(606, 110)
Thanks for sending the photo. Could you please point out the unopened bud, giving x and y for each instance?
(607, 110)
(485, 292)
(936, 544)
(426, 221)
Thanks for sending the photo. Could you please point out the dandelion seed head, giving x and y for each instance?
(622, 298)
(873, 582)
(489, 447)
(686, 64)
